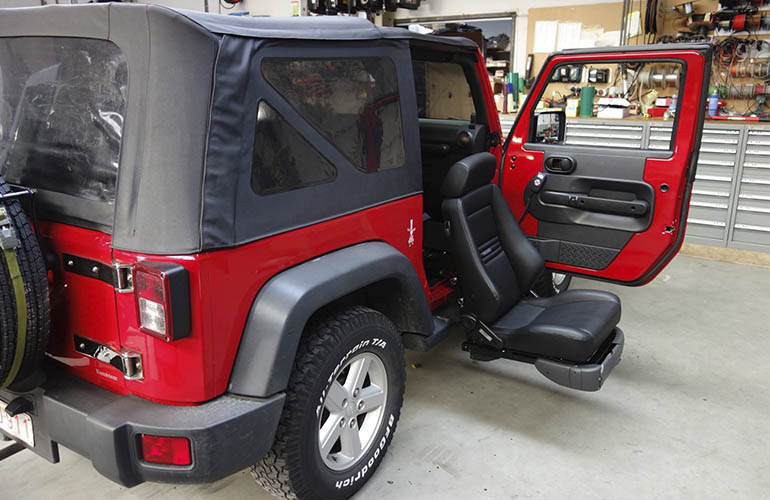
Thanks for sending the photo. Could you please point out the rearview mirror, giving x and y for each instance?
(549, 127)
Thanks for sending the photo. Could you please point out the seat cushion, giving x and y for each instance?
(572, 325)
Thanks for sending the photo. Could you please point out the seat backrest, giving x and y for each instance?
(496, 262)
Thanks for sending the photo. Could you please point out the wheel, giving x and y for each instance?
(35, 285)
(342, 406)
(551, 283)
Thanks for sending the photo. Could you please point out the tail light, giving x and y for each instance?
(166, 450)
(162, 292)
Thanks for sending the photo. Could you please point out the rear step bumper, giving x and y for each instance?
(588, 377)
(227, 434)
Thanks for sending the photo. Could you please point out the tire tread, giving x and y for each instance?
(35, 276)
(316, 346)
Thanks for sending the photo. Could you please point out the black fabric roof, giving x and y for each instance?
(310, 28)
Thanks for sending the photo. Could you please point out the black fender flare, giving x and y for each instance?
(284, 304)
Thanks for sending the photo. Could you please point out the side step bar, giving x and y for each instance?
(582, 377)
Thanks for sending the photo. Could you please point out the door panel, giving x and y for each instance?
(604, 189)
(609, 212)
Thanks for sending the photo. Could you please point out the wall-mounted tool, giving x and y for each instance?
(597, 75)
(685, 8)
(370, 5)
(316, 6)
(701, 23)
(660, 76)
(528, 79)
(568, 73)
(409, 4)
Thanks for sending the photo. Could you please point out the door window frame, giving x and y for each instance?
(468, 64)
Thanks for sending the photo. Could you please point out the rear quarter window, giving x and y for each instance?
(62, 105)
(352, 102)
(283, 159)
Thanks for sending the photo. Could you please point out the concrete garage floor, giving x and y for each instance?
(686, 415)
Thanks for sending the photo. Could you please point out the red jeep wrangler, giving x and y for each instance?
(241, 222)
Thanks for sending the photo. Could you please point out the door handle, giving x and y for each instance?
(583, 201)
(560, 164)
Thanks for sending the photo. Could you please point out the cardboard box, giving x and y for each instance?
(612, 113)
(613, 107)
(572, 108)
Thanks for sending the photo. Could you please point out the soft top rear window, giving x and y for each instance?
(62, 103)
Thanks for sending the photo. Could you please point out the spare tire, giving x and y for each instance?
(23, 292)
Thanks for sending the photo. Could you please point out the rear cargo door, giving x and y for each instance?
(83, 309)
(608, 203)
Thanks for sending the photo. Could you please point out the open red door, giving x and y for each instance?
(608, 209)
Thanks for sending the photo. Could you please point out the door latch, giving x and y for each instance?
(129, 363)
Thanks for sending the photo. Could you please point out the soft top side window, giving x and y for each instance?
(283, 159)
(352, 102)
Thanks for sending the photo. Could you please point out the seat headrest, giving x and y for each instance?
(468, 174)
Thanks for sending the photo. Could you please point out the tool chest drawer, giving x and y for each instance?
(604, 134)
(659, 136)
(711, 205)
(730, 204)
(751, 222)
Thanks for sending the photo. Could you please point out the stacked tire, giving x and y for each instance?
(23, 292)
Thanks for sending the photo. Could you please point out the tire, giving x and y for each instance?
(296, 468)
(551, 283)
(35, 277)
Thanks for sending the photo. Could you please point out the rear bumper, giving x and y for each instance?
(227, 434)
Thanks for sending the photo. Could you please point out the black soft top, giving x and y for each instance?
(188, 129)
(312, 28)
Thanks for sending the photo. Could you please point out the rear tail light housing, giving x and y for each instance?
(162, 291)
(166, 450)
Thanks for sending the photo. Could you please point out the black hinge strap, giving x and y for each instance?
(89, 268)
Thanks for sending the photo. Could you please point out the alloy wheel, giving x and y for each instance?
(352, 411)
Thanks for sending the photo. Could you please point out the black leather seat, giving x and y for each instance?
(498, 265)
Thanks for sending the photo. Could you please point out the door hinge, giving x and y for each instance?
(494, 139)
